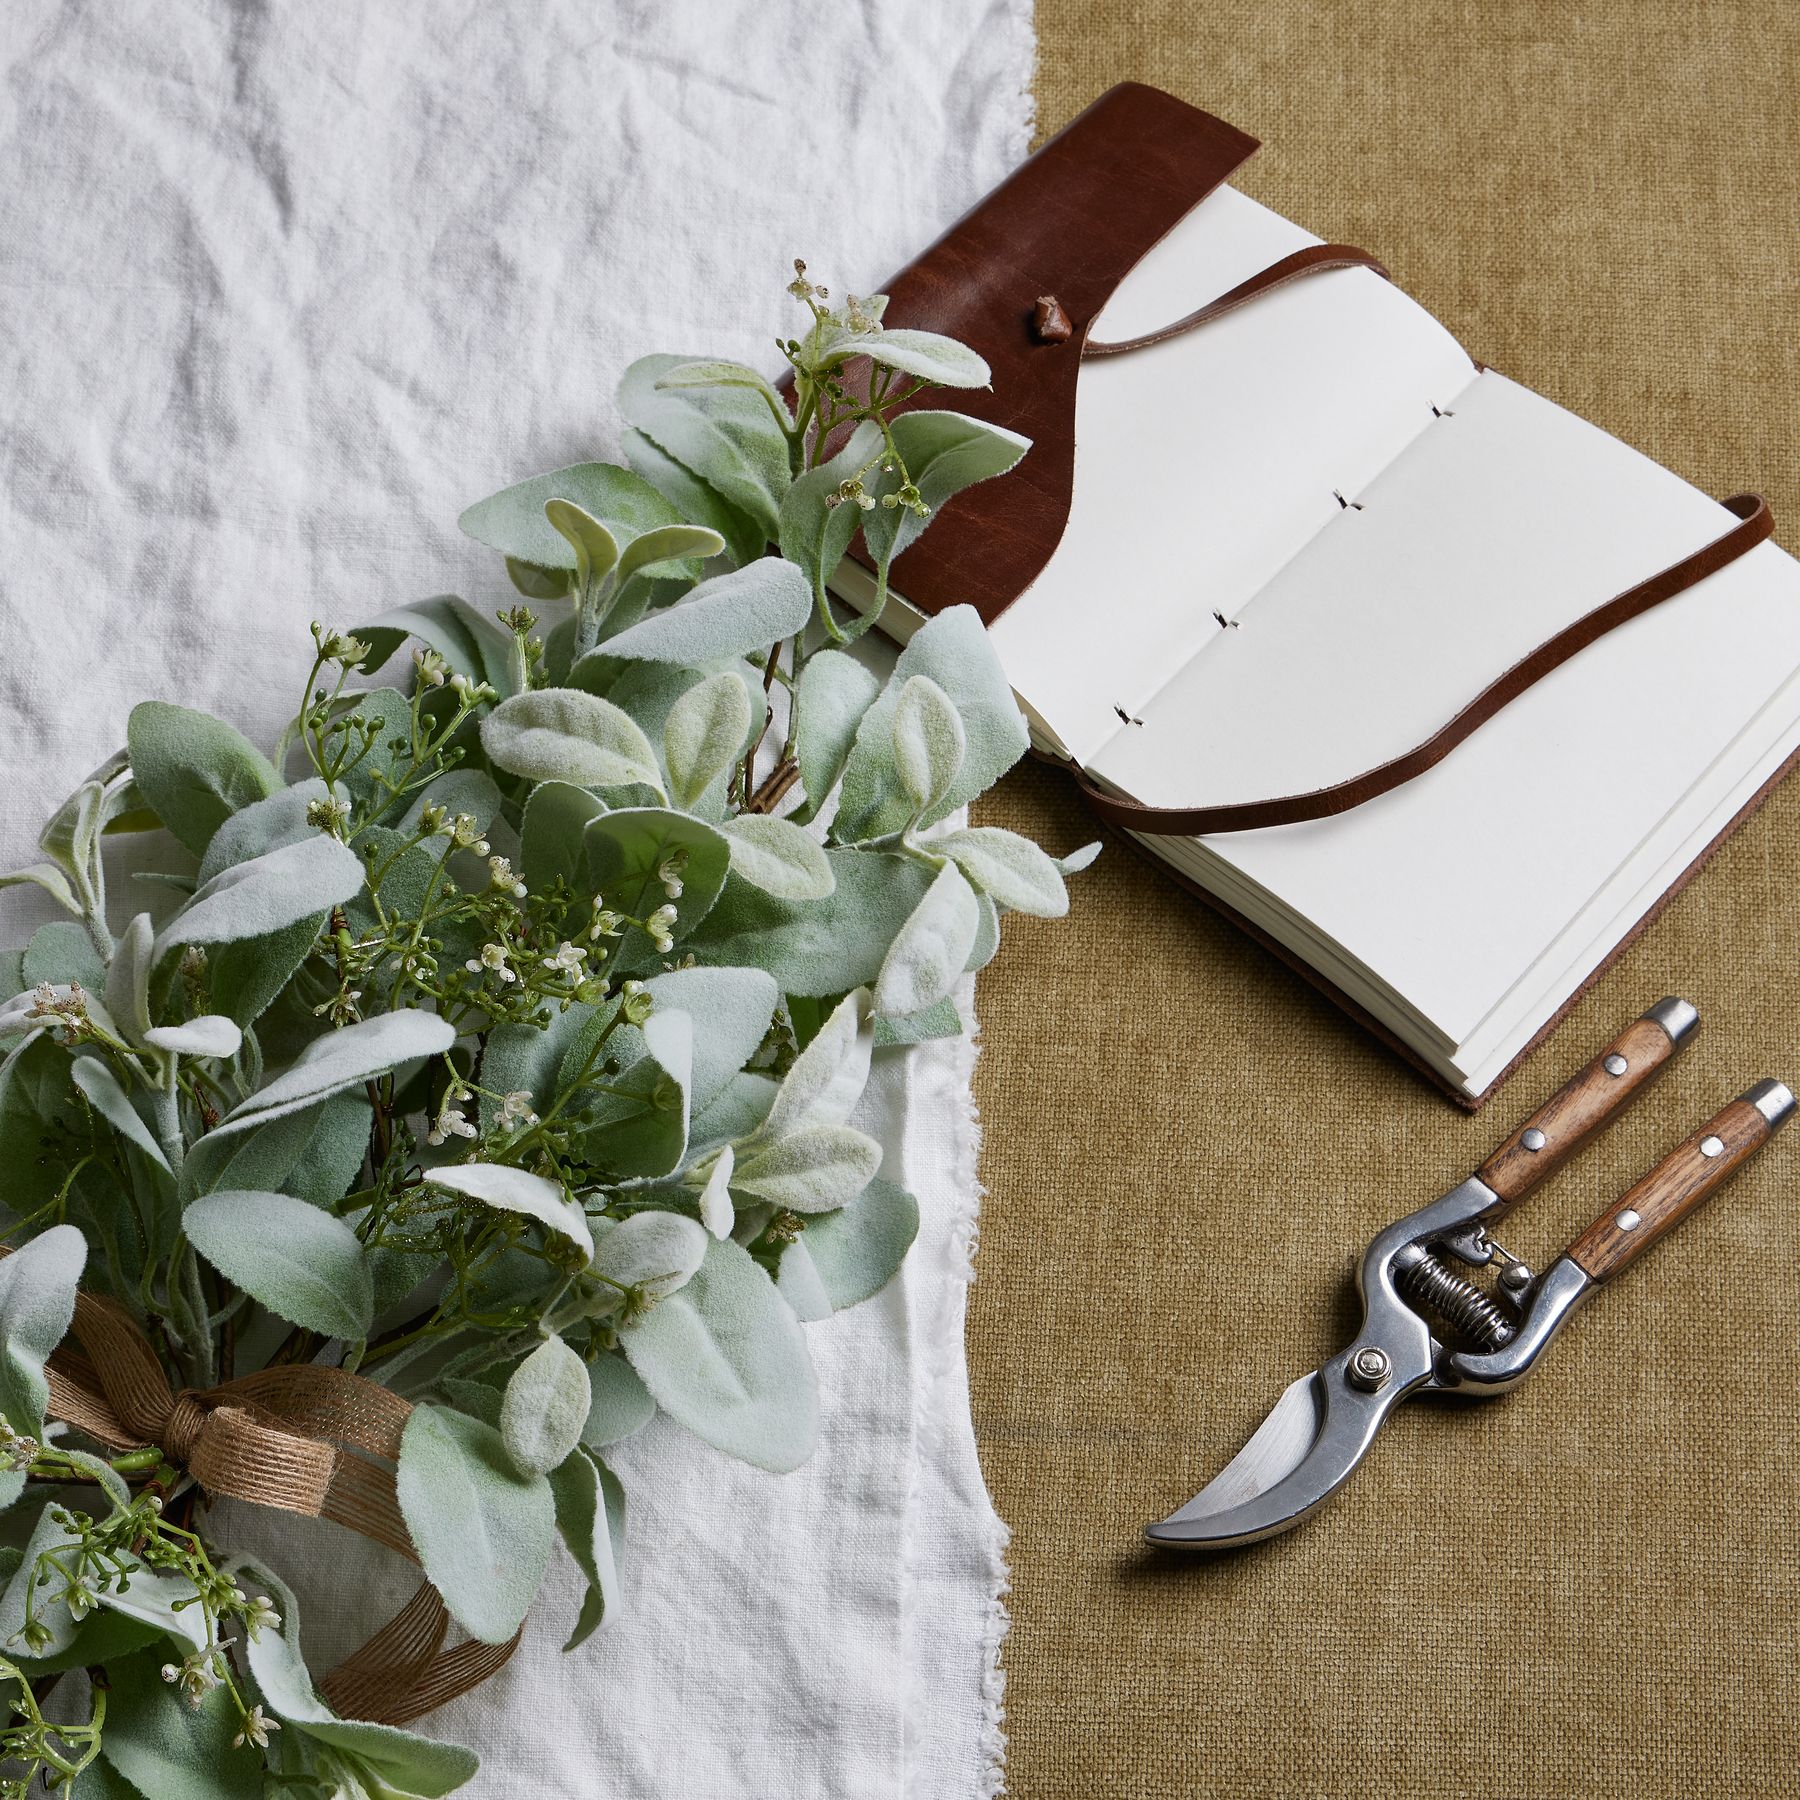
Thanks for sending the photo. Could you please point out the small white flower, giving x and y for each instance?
(261, 1614)
(465, 834)
(327, 814)
(605, 923)
(661, 925)
(451, 1122)
(500, 871)
(195, 1677)
(568, 958)
(670, 873)
(515, 1109)
(431, 666)
(492, 960)
(257, 1726)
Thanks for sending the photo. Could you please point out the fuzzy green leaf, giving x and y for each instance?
(98, 1082)
(695, 499)
(858, 1250)
(628, 849)
(928, 742)
(954, 651)
(656, 1252)
(563, 734)
(725, 435)
(726, 1357)
(731, 1010)
(929, 952)
(195, 770)
(619, 1404)
(482, 1530)
(513, 522)
(925, 353)
(944, 452)
(519, 1191)
(168, 1750)
(816, 1168)
(128, 977)
(1008, 868)
(779, 857)
(590, 1514)
(266, 895)
(545, 1407)
(301, 1263)
(703, 733)
(729, 616)
(817, 947)
(835, 691)
(37, 1301)
(827, 1077)
(342, 1059)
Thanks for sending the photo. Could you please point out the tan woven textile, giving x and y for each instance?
(1591, 1588)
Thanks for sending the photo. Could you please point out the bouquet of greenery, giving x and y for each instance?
(481, 1080)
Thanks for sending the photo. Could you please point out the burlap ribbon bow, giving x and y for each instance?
(301, 1438)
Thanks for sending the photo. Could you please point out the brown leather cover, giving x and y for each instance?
(1070, 222)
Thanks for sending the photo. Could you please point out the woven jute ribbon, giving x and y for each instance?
(301, 1438)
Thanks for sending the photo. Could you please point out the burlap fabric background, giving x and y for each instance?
(1592, 1587)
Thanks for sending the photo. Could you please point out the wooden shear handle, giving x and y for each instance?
(1588, 1101)
(1685, 1177)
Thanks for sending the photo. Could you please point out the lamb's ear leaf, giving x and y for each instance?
(37, 1302)
(590, 1514)
(928, 354)
(858, 1250)
(545, 1407)
(513, 522)
(669, 544)
(928, 742)
(931, 950)
(817, 523)
(733, 1007)
(412, 1764)
(101, 1086)
(550, 846)
(703, 733)
(343, 1059)
(563, 734)
(195, 770)
(817, 1168)
(161, 1746)
(596, 549)
(628, 849)
(301, 1263)
(266, 895)
(483, 1531)
(726, 1357)
(619, 1403)
(725, 435)
(954, 651)
(726, 617)
(944, 452)
(779, 857)
(694, 498)
(835, 691)
(1011, 870)
(470, 641)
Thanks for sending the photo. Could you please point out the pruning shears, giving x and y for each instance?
(1430, 1327)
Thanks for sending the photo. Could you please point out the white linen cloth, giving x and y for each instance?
(281, 290)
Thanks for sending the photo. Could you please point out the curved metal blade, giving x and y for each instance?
(1301, 1454)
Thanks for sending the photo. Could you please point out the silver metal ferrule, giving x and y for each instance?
(1773, 1099)
(1676, 1017)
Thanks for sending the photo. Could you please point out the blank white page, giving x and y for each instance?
(1504, 523)
(1204, 463)
(1451, 888)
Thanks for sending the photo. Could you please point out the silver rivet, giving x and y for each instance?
(1628, 1220)
(1712, 1146)
(1615, 1064)
(1370, 1368)
(1533, 1139)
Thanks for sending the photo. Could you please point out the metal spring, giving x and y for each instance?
(1460, 1303)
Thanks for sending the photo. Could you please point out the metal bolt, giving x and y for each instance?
(1370, 1368)
(1533, 1139)
(1615, 1064)
(1711, 1147)
(1515, 1278)
(1629, 1220)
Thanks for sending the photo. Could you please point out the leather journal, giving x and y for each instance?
(1435, 689)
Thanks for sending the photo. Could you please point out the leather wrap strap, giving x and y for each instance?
(1314, 259)
(1754, 525)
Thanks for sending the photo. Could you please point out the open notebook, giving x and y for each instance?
(1303, 536)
